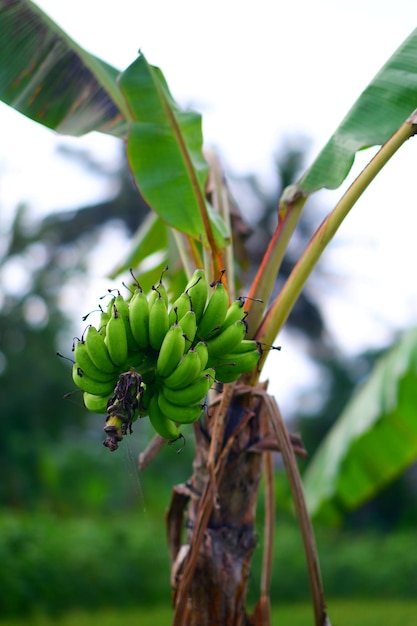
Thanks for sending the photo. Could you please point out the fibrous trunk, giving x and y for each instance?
(210, 569)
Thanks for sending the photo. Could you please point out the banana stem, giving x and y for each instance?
(307, 532)
(217, 189)
(289, 211)
(278, 312)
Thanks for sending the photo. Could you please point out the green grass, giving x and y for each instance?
(341, 613)
(351, 613)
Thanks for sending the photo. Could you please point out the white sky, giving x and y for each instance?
(257, 71)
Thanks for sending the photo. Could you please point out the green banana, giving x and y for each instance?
(96, 387)
(84, 362)
(192, 394)
(98, 352)
(215, 311)
(104, 318)
(202, 351)
(158, 322)
(238, 358)
(231, 366)
(180, 307)
(123, 310)
(162, 289)
(197, 289)
(246, 345)
(152, 297)
(116, 339)
(159, 290)
(139, 318)
(160, 422)
(179, 414)
(186, 372)
(171, 351)
(109, 309)
(235, 313)
(95, 404)
(188, 323)
(228, 340)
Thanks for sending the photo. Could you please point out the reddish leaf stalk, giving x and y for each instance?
(289, 212)
(280, 309)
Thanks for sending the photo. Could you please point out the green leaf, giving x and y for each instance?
(46, 76)
(165, 153)
(380, 110)
(374, 439)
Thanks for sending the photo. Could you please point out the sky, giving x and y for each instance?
(258, 72)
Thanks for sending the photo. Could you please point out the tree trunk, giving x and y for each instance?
(224, 522)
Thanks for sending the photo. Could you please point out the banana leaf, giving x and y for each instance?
(372, 442)
(165, 154)
(46, 76)
(383, 106)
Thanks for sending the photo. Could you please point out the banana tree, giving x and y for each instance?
(46, 76)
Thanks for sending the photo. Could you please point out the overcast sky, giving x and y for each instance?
(258, 71)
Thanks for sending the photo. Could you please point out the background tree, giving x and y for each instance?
(33, 379)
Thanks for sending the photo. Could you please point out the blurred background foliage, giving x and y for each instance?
(76, 522)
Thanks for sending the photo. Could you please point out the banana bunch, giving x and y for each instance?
(147, 358)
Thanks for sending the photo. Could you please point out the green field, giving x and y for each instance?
(53, 566)
(341, 613)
